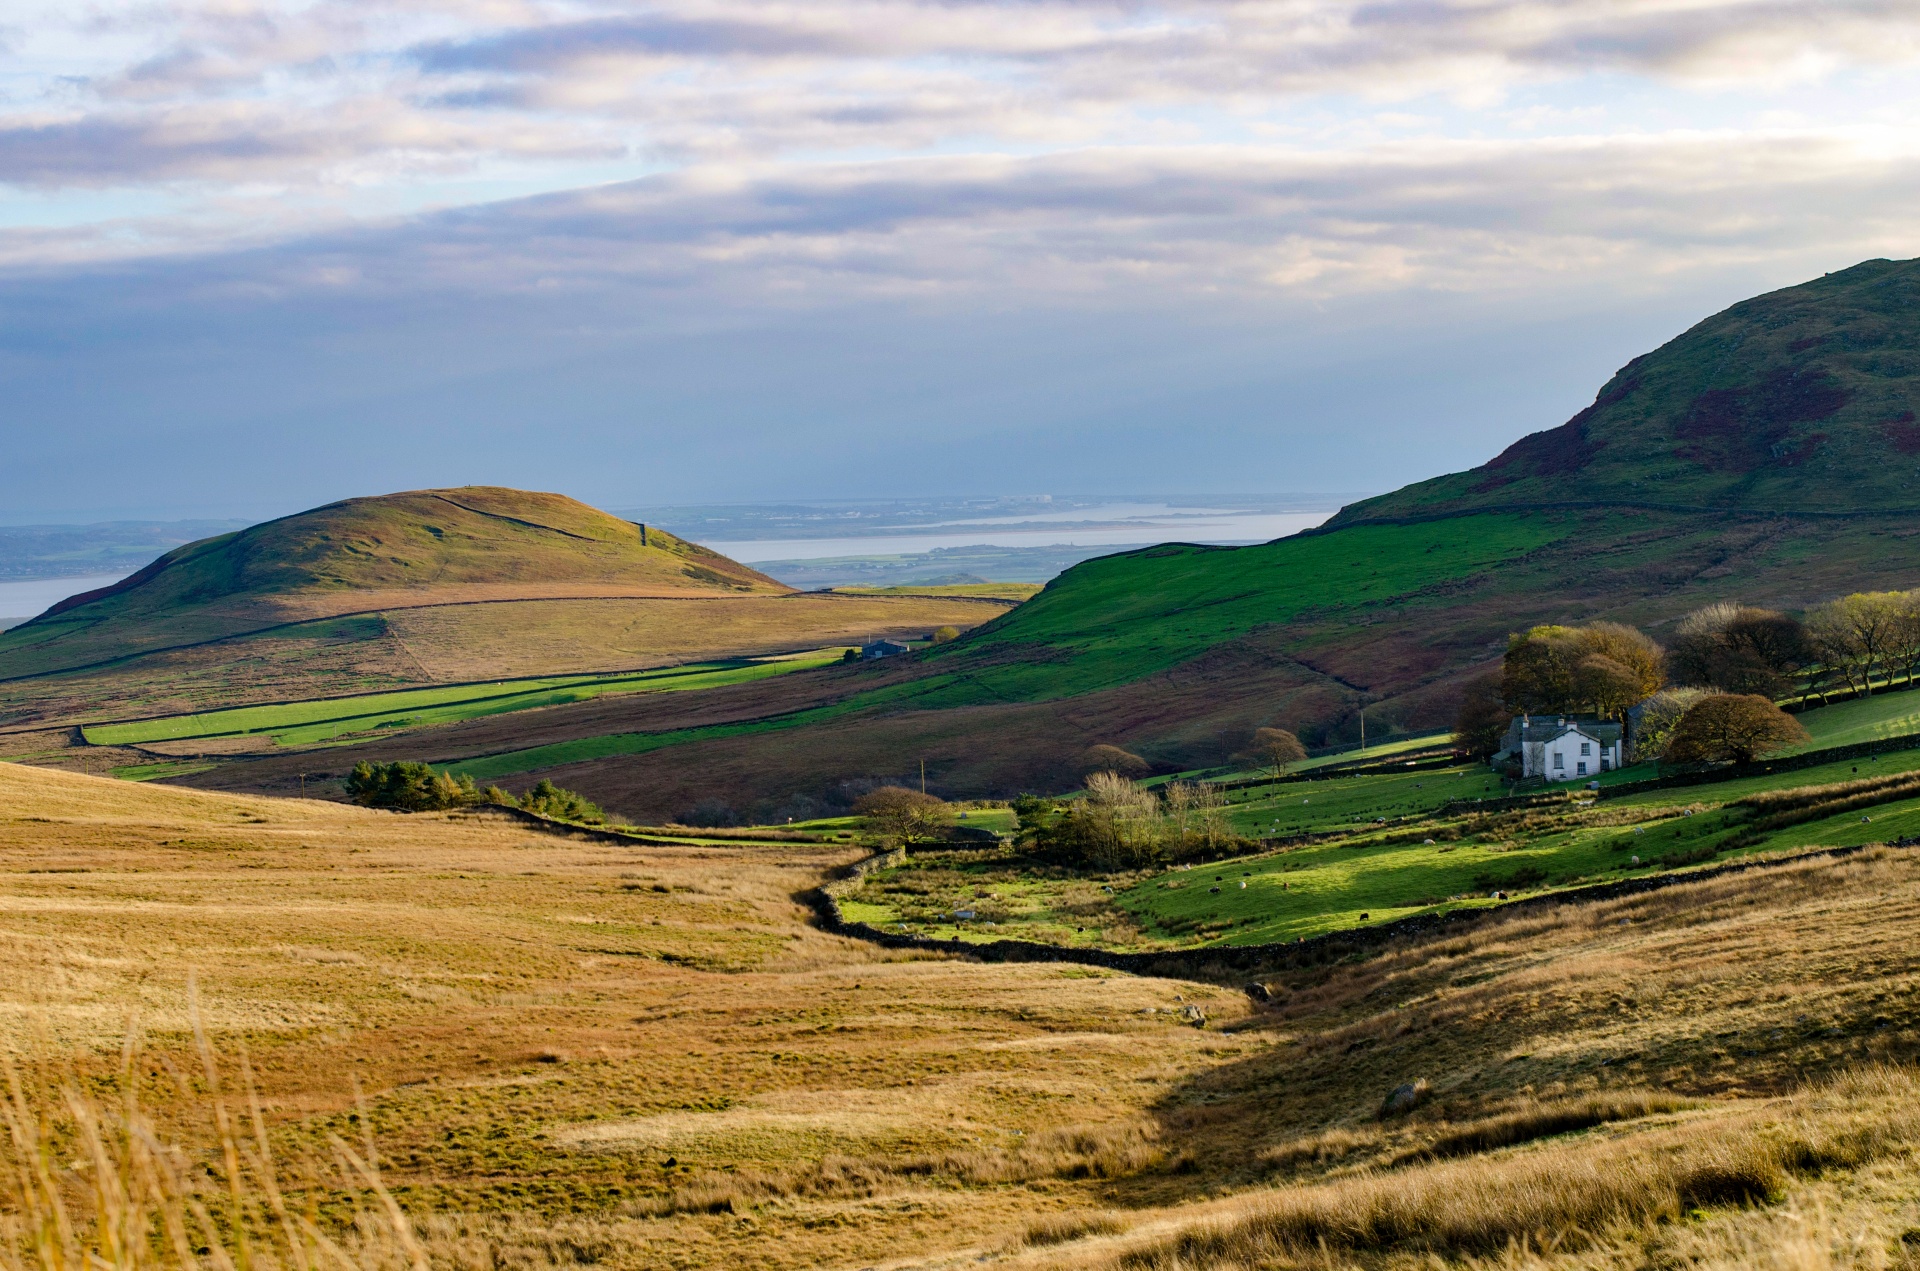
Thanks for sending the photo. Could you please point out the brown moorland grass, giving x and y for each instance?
(585, 1054)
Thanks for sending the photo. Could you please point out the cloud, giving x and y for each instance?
(328, 94)
(1084, 226)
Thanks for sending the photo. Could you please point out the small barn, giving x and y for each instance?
(880, 649)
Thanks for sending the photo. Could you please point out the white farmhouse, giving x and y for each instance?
(1562, 747)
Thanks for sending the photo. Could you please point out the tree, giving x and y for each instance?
(1274, 748)
(1480, 725)
(1603, 667)
(901, 815)
(1739, 649)
(1855, 633)
(1732, 726)
(409, 787)
(1659, 715)
(943, 635)
(1112, 759)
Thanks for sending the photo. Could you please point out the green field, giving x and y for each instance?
(1387, 846)
(1885, 714)
(344, 720)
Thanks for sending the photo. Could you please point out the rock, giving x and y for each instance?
(1192, 1014)
(1258, 992)
(1405, 1098)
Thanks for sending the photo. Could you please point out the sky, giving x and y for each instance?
(258, 256)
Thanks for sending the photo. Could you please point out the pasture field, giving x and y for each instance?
(1371, 849)
(569, 1053)
(355, 718)
(1888, 713)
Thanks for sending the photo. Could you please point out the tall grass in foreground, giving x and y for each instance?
(1573, 1196)
(90, 1185)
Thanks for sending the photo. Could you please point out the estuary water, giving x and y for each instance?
(22, 600)
(1086, 528)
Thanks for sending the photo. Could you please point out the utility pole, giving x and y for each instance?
(1363, 728)
(303, 785)
(923, 776)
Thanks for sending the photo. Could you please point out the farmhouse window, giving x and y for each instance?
(1559, 760)
(1582, 769)
(1586, 747)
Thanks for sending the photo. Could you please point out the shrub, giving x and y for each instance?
(1737, 727)
(548, 799)
(711, 814)
(943, 635)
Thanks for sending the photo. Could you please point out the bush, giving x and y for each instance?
(548, 799)
(711, 814)
(942, 635)
(1736, 727)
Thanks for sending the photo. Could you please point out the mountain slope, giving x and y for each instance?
(1801, 400)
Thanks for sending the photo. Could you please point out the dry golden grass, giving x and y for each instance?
(472, 642)
(583, 1054)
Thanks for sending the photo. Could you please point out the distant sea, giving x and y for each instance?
(20, 601)
(1085, 527)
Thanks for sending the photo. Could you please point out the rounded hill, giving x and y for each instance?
(1801, 400)
(474, 536)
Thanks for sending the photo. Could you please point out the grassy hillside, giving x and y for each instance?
(568, 1056)
(419, 547)
(1802, 400)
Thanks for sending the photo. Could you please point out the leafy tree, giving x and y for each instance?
(901, 815)
(1732, 726)
(1659, 716)
(942, 635)
(1739, 649)
(1112, 759)
(1855, 634)
(1274, 748)
(1603, 667)
(1480, 725)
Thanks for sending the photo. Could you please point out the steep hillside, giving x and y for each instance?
(1801, 400)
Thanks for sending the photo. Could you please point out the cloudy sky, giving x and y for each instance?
(258, 255)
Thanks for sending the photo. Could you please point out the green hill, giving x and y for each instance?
(1800, 400)
(1758, 457)
(428, 546)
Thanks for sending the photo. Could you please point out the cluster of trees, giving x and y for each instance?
(1850, 643)
(416, 787)
(1727, 664)
(1119, 824)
